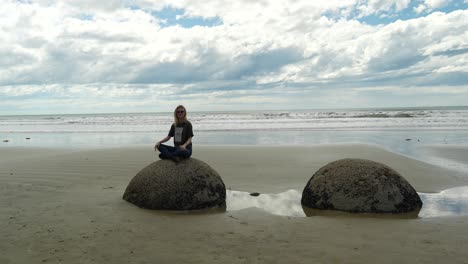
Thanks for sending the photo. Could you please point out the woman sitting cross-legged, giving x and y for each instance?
(182, 132)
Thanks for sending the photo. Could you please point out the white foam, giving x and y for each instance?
(246, 120)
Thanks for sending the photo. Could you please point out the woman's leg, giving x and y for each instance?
(167, 152)
(186, 153)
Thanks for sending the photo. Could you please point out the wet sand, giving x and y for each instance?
(65, 206)
(458, 154)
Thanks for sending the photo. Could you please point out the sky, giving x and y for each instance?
(87, 56)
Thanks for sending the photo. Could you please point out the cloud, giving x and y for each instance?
(433, 4)
(84, 6)
(372, 7)
(429, 5)
(420, 8)
(122, 49)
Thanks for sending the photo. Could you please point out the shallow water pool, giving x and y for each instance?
(450, 202)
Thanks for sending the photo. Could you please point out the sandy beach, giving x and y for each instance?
(66, 206)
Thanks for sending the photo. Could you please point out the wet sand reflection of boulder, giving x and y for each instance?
(360, 186)
(188, 185)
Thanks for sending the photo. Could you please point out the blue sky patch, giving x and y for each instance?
(410, 13)
(86, 17)
(174, 16)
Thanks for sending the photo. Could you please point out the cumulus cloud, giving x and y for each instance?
(420, 8)
(429, 5)
(122, 49)
(436, 3)
(372, 7)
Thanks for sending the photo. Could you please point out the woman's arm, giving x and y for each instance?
(189, 140)
(162, 141)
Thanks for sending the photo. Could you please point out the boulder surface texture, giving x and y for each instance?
(187, 185)
(360, 186)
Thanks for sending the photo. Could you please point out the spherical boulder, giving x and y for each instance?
(360, 186)
(190, 184)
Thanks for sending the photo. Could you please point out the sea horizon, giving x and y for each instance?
(385, 108)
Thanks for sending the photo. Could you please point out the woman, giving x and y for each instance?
(182, 132)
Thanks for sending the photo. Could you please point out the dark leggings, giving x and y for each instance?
(168, 152)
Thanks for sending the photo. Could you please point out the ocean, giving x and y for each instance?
(436, 118)
(400, 130)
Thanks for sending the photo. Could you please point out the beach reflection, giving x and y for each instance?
(287, 203)
(450, 202)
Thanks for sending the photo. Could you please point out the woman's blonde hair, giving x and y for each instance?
(176, 120)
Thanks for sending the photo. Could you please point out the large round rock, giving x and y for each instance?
(187, 185)
(360, 186)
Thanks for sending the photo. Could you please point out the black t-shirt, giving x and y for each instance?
(181, 134)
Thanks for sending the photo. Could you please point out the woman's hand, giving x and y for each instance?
(182, 147)
(156, 147)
